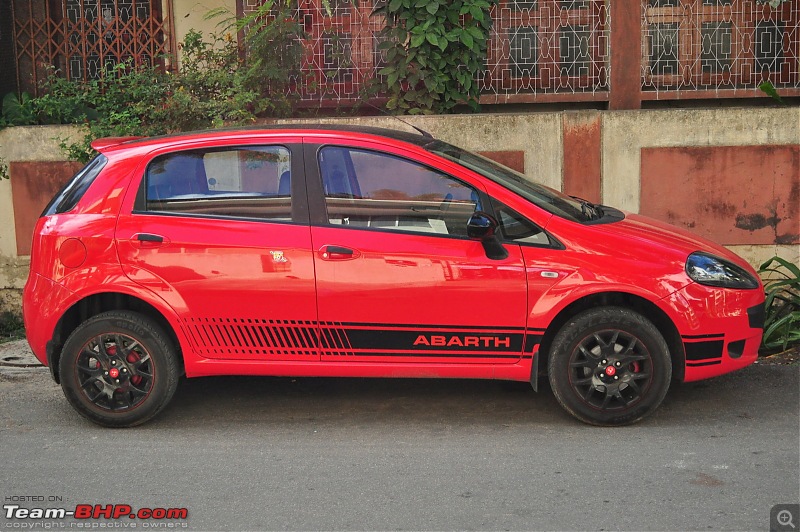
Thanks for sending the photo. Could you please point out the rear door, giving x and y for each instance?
(397, 278)
(221, 235)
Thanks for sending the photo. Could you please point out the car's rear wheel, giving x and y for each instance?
(609, 366)
(119, 369)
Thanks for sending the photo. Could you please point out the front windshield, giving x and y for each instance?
(547, 198)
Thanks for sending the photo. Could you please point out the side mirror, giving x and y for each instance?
(483, 227)
(480, 226)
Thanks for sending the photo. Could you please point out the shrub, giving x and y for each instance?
(782, 323)
(433, 52)
(11, 326)
(217, 83)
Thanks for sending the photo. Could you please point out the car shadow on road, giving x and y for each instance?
(360, 402)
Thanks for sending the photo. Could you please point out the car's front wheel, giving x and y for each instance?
(609, 366)
(119, 369)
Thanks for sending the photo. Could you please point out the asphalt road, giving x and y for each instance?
(345, 454)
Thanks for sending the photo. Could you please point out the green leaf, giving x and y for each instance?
(477, 13)
(18, 111)
(394, 5)
(432, 39)
(417, 40)
(476, 33)
(466, 38)
(769, 89)
(793, 269)
(432, 7)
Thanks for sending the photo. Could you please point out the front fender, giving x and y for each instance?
(577, 286)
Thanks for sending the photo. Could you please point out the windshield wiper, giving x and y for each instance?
(589, 209)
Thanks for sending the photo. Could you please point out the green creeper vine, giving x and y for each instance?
(433, 50)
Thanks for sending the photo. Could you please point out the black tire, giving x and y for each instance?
(609, 366)
(119, 369)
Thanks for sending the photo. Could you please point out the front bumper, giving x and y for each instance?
(720, 328)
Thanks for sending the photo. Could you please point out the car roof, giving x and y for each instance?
(111, 143)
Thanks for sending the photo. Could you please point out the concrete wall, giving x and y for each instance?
(189, 14)
(730, 174)
(33, 144)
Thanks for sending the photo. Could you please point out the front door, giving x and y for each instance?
(397, 278)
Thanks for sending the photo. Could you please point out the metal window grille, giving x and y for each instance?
(547, 50)
(83, 37)
(704, 48)
(539, 50)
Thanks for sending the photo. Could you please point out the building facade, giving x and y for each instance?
(614, 53)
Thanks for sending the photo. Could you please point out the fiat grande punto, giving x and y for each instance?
(349, 251)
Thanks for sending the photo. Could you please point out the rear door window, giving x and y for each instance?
(248, 182)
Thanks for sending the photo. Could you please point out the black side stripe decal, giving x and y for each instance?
(531, 341)
(262, 337)
(415, 354)
(423, 328)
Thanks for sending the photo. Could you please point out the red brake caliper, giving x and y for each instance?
(133, 358)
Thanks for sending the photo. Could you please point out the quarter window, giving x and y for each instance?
(378, 191)
(516, 228)
(252, 182)
(73, 191)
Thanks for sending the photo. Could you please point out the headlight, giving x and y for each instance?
(714, 271)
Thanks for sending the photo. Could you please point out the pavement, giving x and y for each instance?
(392, 454)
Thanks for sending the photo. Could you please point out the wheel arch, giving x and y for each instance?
(639, 304)
(93, 305)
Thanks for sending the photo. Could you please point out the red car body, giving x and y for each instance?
(305, 297)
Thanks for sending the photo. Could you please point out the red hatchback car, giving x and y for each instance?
(364, 252)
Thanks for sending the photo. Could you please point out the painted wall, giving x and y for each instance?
(189, 14)
(730, 174)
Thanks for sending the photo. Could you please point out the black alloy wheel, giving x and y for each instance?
(609, 366)
(119, 369)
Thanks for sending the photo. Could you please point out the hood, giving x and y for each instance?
(641, 241)
(664, 235)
